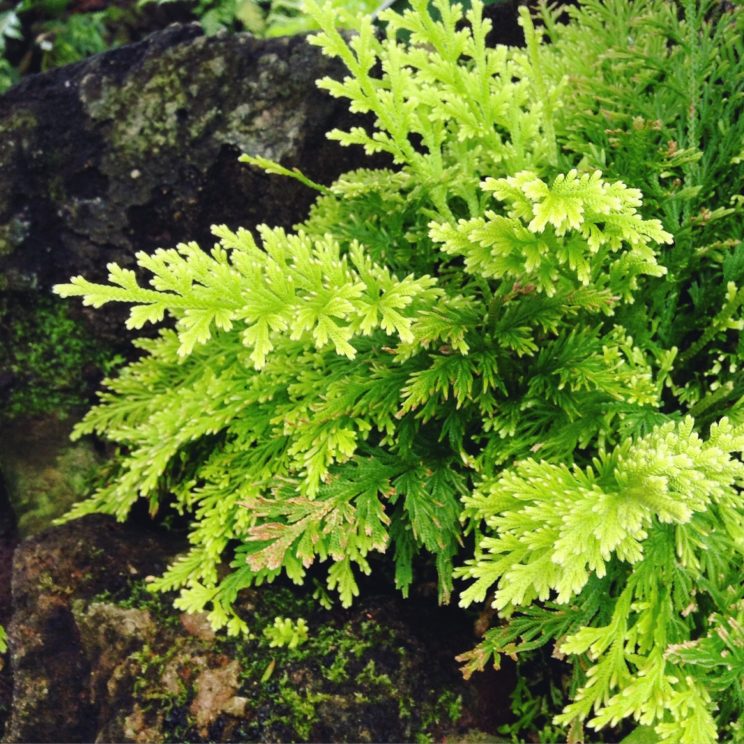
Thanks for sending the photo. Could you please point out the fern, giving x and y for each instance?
(475, 346)
(600, 217)
(641, 512)
(346, 407)
(289, 283)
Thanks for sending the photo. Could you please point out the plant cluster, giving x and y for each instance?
(286, 633)
(521, 339)
(38, 35)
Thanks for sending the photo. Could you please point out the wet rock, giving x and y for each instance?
(137, 148)
(216, 694)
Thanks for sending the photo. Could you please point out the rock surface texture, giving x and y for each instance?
(137, 148)
(53, 572)
(44, 473)
(95, 657)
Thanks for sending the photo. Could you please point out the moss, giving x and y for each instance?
(47, 358)
(49, 366)
(357, 677)
(45, 474)
(156, 109)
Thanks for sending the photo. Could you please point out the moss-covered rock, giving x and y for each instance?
(43, 472)
(50, 361)
(97, 657)
(137, 148)
(51, 687)
(361, 675)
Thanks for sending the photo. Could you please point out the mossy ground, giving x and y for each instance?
(358, 676)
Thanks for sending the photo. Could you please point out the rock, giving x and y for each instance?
(197, 624)
(96, 657)
(52, 695)
(8, 540)
(137, 148)
(110, 633)
(45, 473)
(215, 694)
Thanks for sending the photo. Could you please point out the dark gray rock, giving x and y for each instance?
(137, 148)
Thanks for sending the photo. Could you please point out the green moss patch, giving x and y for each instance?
(49, 362)
(359, 676)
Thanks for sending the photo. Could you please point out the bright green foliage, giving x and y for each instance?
(285, 633)
(559, 236)
(369, 410)
(291, 285)
(640, 514)
(286, 17)
(49, 33)
(380, 379)
(447, 107)
(3, 640)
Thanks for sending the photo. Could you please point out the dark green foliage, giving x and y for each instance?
(666, 114)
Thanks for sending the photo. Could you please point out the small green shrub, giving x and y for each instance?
(49, 33)
(492, 344)
(10, 28)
